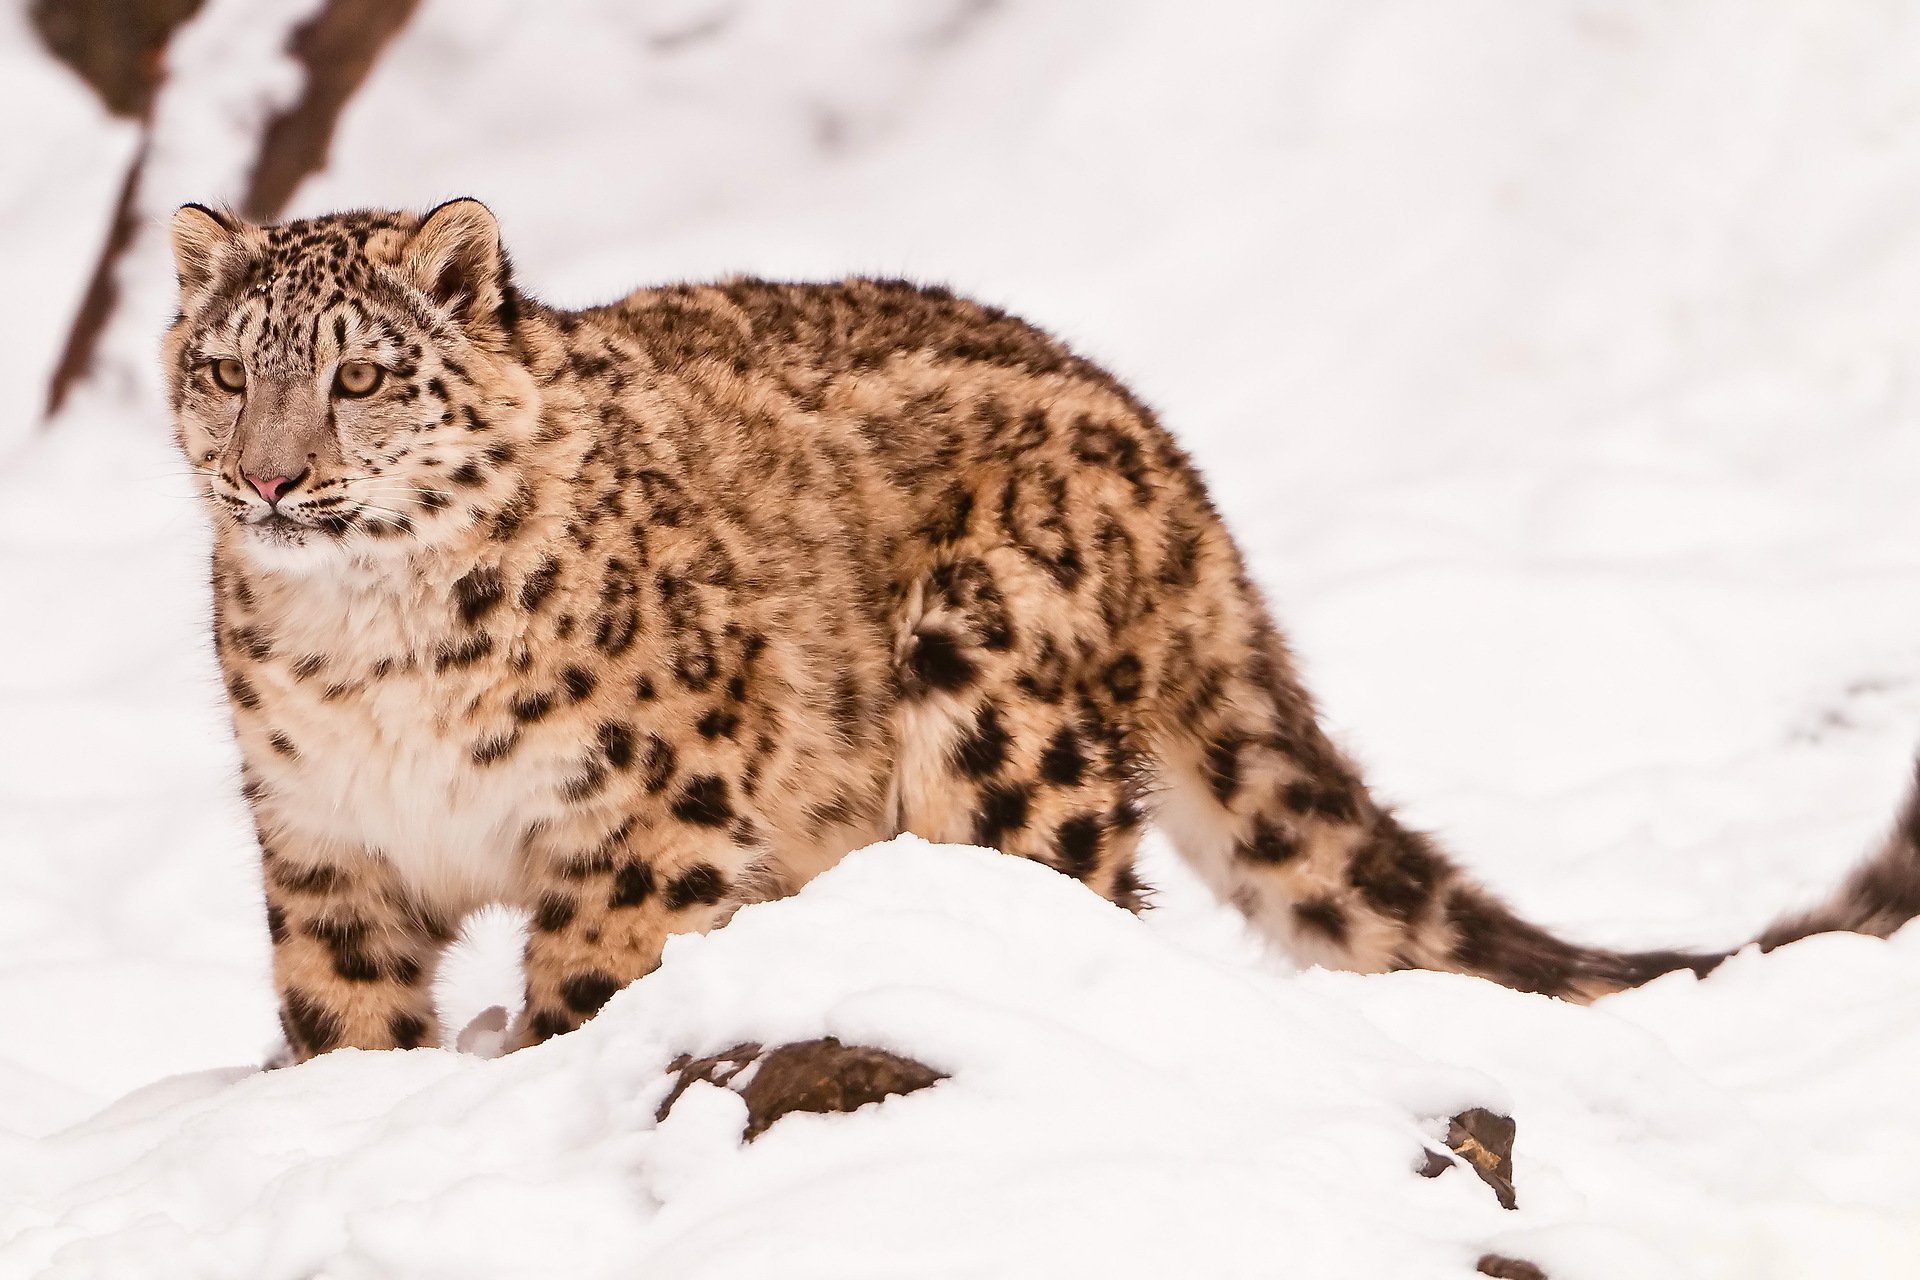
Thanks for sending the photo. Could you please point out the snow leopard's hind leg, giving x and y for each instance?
(1007, 741)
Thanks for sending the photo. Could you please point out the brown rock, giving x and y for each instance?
(1503, 1268)
(1484, 1141)
(117, 46)
(718, 1069)
(338, 47)
(809, 1075)
(96, 305)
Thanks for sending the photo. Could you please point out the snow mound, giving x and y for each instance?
(1119, 1104)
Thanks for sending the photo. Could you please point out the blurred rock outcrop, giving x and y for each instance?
(117, 46)
(337, 48)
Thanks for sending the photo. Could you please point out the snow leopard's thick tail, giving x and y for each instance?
(1882, 894)
(1279, 823)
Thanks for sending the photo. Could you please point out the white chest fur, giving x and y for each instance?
(376, 747)
(381, 770)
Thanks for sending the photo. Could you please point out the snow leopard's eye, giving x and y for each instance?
(357, 378)
(230, 375)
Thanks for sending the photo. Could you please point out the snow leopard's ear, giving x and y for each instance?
(198, 235)
(456, 256)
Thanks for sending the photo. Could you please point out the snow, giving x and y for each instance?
(1553, 361)
(1118, 1103)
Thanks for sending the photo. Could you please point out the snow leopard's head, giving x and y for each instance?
(347, 384)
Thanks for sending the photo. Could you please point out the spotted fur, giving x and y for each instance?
(632, 614)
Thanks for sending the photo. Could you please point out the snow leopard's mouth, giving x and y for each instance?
(280, 529)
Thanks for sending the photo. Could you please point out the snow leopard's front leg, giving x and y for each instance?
(603, 907)
(353, 952)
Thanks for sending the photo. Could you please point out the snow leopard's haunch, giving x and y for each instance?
(629, 615)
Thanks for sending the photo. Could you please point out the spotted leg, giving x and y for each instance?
(1044, 774)
(601, 915)
(353, 952)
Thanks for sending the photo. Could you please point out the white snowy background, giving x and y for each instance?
(1558, 364)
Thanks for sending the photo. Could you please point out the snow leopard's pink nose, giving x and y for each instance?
(271, 487)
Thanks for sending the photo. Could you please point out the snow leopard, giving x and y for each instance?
(631, 615)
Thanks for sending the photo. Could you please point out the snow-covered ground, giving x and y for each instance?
(1557, 362)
